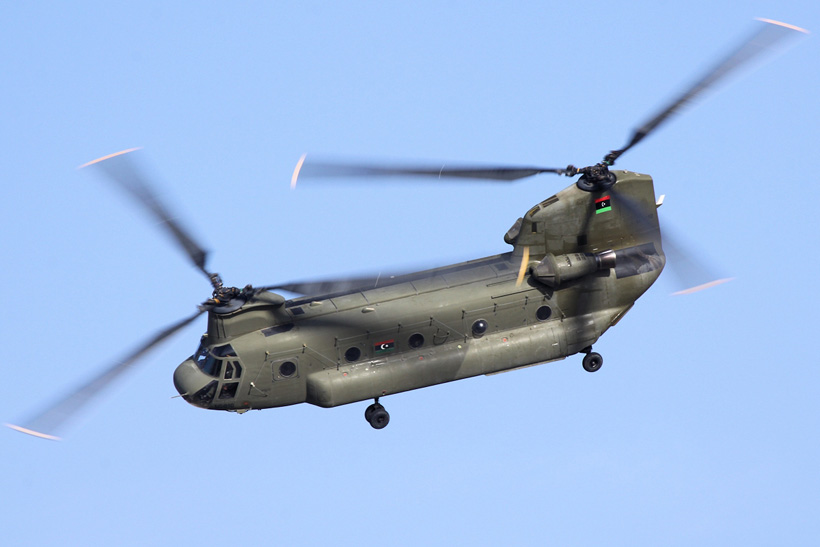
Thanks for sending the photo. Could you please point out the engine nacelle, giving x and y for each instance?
(554, 270)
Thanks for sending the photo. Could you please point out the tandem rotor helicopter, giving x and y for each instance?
(579, 261)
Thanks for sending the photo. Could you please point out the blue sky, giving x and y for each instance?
(699, 429)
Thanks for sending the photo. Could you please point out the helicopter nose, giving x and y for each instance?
(194, 385)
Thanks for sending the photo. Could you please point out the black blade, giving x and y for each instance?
(692, 274)
(121, 169)
(332, 286)
(328, 287)
(474, 172)
(767, 35)
(47, 423)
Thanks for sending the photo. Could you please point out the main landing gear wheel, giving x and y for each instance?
(592, 361)
(377, 416)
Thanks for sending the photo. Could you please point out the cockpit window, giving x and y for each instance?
(206, 362)
(204, 396)
(228, 391)
(232, 370)
(224, 351)
(209, 361)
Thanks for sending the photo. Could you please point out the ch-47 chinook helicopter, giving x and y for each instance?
(579, 261)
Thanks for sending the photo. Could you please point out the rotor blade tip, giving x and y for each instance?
(781, 24)
(296, 171)
(33, 433)
(704, 286)
(109, 156)
(522, 270)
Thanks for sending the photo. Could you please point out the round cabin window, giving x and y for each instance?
(479, 328)
(352, 354)
(416, 340)
(543, 313)
(287, 369)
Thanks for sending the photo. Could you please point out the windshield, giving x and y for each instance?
(210, 362)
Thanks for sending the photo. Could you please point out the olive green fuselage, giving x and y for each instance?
(480, 317)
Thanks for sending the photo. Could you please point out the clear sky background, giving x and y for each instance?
(701, 427)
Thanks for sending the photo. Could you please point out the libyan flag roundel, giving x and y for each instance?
(602, 205)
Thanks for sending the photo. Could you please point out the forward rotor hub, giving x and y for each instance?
(223, 295)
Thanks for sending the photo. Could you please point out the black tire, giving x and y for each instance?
(379, 419)
(368, 412)
(592, 361)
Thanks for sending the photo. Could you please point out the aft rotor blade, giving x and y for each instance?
(692, 274)
(47, 424)
(764, 38)
(119, 168)
(327, 287)
(332, 286)
(497, 173)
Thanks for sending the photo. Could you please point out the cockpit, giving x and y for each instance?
(211, 362)
(222, 364)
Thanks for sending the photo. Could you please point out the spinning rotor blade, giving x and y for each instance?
(692, 275)
(331, 286)
(46, 424)
(346, 284)
(323, 287)
(480, 172)
(770, 33)
(119, 168)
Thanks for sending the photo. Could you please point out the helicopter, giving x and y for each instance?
(580, 259)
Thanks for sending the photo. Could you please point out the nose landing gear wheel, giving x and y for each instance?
(377, 416)
(592, 361)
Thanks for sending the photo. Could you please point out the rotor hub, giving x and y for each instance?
(595, 178)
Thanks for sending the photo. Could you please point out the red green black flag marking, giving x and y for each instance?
(384, 347)
(602, 205)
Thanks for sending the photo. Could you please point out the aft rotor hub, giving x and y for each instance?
(595, 178)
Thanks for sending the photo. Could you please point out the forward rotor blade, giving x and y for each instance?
(480, 172)
(119, 168)
(47, 424)
(769, 33)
